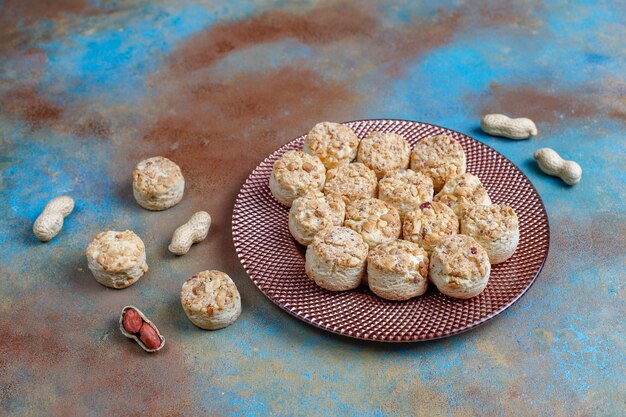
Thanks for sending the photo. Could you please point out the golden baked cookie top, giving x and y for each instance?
(339, 246)
(157, 175)
(116, 251)
(297, 169)
(429, 224)
(463, 191)
(384, 152)
(315, 211)
(335, 144)
(399, 256)
(405, 188)
(376, 220)
(351, 182)
(208, 292)
(462, 259)
(489, 222)
(439, 157)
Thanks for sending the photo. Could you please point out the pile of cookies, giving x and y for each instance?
(378, 213)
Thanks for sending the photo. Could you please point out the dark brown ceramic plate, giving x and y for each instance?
(275, 262)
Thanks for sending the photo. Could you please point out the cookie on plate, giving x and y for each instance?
(429, 224)
(336, 259)
(351, 182)
(384, 152)
(405, 189)
(333, 143)
(294, 174)
(117, 259)
(158, 183)
(375, 220)
(397, 270)
(460, 267)
(314, 212)
(440, 158)
(495, 228)
(461, 192)
(211, 300)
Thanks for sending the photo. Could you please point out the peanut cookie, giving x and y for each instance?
(460, 267)
(333, 143)
(314, 212)
(495, 228)
(397, 270)
(211, 300)
(336, 259)
(384, 152)
(294, 174)
(117, 259)
(158, 183)
(440, 158)
(375, 220)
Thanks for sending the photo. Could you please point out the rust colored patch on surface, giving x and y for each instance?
(421, 36)
(30, 106)
(507, 12)
(319, 25)
(122, 379)
(235, 123)
(18, 15)
(538, 104)
(93, 124)
(38, 111)
(618, 115)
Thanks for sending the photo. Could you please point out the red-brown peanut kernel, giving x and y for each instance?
(149, 336)
(132, 321)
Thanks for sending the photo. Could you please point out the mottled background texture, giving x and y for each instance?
(89, 87)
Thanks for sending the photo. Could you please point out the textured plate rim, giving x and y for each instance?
(238, 249)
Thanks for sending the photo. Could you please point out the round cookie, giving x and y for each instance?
(117, 259)
(211, 300)
(294, 174)
(429, 224)
(314, 212)
(397, 270)
(461, 192)
(336, 259)
(375, 220)
(440, 158)
(158, 183)
(495, 228)
(351, 182)
(459, 267)
(333, 143)
(405, 189)
(384, 152)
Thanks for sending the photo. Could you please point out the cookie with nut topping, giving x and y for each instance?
(461, 192)
(375, 220)
(440, 158)
(294, 174)
(352, 182)
(384, 152)
(117, 259)
(405, 189)
(211, 300)
(158, 183)
(459, 267)
(333, 143)
(336, 259)
(429, 224)
(495, 228)
(314, 212)
(397, 270)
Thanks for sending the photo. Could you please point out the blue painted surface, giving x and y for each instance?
(558, 351)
